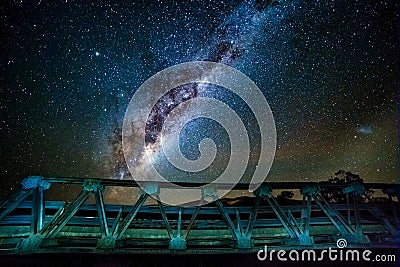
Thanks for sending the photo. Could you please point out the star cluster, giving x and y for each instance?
(327, 69)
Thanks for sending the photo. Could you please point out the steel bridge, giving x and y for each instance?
(31, 224)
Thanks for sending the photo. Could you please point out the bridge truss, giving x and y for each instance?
(31, 224)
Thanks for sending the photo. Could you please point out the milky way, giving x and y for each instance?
(327, 69)
(229, 42)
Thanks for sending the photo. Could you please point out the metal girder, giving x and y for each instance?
(293, 222)
(178, 231)
(15, 202)
(357, 219)
(253, 216)
(119, 230)
(393, 206)
(293, 232)
(243, 241)
(348, 208)
(344, 228)
(239, 228)
(101, 212)
(306, 214)
(12, 198)
(38, 208)
(32, 186)
(117, 221)
(304, 237)
(189, 227)
(227, 219)
(165, 219)
(239, 186)
(58, 222)
(218, 226)
(290, 225)
(313, 192)
(177, 242)
(392, 227)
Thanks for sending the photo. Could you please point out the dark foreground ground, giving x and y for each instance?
(101, 260)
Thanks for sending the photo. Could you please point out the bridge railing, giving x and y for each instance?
(29, 223)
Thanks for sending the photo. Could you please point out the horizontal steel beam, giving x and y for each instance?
(239, 186)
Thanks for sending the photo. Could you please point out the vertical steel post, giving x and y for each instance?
(393, 207)
(35, 207)
(358, 230)
(308, 216)
(348, 208)
(38, 207)
(178, 234)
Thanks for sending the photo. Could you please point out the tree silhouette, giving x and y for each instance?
(284, 197)
(334, 195)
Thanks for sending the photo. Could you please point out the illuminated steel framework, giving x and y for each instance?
(30, 224)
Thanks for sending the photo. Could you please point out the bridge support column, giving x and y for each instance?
(107, 241)
(305, 238)
(37, 186)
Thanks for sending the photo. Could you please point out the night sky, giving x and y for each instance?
(328, 70)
